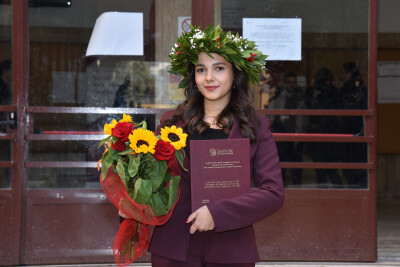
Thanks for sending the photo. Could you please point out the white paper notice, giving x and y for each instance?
(117, 33)
(280, 39)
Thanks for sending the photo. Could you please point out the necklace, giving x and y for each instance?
(212, 119)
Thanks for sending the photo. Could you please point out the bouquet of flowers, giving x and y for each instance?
(140, 176)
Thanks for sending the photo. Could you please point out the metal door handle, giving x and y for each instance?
(12, 120)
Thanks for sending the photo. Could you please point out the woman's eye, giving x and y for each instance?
(220, 68)
(200, 70)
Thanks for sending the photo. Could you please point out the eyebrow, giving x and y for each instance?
(215, 64)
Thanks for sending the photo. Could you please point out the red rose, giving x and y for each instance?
(119, 146)
(122, 130)
(164, 151)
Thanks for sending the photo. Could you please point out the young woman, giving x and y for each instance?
(217, 68)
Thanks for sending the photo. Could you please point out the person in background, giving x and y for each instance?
(324, 95)
(5, 82)
(288, 96)
(262, 90)
(122, 96)
(354, 95)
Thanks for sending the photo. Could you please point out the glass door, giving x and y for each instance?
(69, 96)
(320, 97)
(10, 193)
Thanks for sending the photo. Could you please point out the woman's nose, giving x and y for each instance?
(209, 76)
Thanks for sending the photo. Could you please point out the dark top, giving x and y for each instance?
(208, 134)
(233, 239)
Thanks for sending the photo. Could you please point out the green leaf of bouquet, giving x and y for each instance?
(142, 191)
(113, 154)
(158, 203)
(106, 163)
(144, 126)
(114, 139)
(173, 191)
(125, 152)
(133, 166)
(121, 171)
(106, 139)
(157, 173)
(167, 177)
(180, 155)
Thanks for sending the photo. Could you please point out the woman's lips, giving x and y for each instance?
(211, 88)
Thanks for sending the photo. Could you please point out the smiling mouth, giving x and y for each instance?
(211, 88)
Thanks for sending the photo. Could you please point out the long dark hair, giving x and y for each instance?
(191, 111)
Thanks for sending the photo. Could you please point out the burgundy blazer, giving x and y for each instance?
(233, 239)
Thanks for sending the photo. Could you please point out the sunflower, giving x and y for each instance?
(126, 118)
(109, 127)
(142, 141)
(174, 136)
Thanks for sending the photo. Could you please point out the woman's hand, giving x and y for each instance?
(123, 215)
(202, 220)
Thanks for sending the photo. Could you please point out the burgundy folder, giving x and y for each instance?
(220, 169)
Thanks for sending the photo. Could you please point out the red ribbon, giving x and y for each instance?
(133, 237)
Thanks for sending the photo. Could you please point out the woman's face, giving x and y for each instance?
(214, 78)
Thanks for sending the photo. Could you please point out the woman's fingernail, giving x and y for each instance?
(186, 221)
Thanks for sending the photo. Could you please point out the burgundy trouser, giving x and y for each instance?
(195, 256)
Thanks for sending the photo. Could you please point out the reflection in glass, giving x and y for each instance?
(81, 123)
(65, 150)
(5, 63)
(61, 74)
(327, 178)
(5, 155)
(326, 153)
(63, 178)
(5, 178)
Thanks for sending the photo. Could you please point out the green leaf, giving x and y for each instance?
(133, 166)
(125, 152)
(173, 191)
(246, 53)
(137, 124)
(121, 171)
(142, 191)
(158, 203)
(144, 125)
(113, 154)
(229, 51)
(157, 173)
(180, 155)
(167, 177)
(106, 163)
(107, 139)
(184, 82)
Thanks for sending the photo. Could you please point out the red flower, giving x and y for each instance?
(164, 151)
(217, 39)
(122, 131)
(179, 45)
(251, 57)
(179, 52)
(119, 146)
